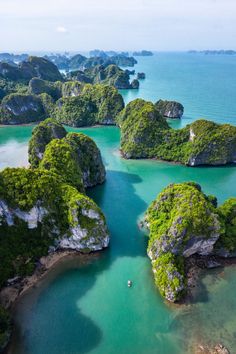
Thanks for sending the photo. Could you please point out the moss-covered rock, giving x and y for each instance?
(182, 222)
(38, 86)
(41, 68)
(48, 104)
(107, 75)
(38, 212)
(134, 84)
(97, 104)
(32, 67)
(143, 135)
(60, 158)
(170, 109)
(81, 158)
(141, 129)
(79, 111)
(5, 328)
(72, 88)
(108, 101)
(42, 134)
(226, 246)
(89, 157)
(21, 108)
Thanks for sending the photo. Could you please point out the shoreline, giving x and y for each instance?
(10, 294)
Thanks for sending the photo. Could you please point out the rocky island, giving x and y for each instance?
(170, 109)
(44, 208)
(183, 222)
(105, 74)
(143, 53)
(146, 134)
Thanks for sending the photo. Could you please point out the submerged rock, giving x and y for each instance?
(170, 109)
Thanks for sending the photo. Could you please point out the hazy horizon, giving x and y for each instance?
(78, 26)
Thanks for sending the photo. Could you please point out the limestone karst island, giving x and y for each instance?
(118, 177)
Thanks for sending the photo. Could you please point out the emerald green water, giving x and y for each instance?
(88, 308)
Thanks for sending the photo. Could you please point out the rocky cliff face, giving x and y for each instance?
(21, 108)
(89, 158)
(211, 144)
(170, 109)
(74, 155)
(96, 104)
(182, 222)
(41, 136)
(40, 212)
(31, 67)
(144, 135)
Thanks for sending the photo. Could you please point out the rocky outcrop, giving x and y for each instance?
(40, 212)
(97, 104)
(21, 108)
(72, 89)
(80, 62)
(32, 67)
(42, 134)
(170, 109)
(89, 158)
(182, 222)
(211, 143)
(41, 68)
(144, 135)
(143, 53)
(73, 156)
(134, 84)
(141, 76)
(38, 86)
(217, 349)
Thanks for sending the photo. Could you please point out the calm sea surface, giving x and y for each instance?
(89, 308)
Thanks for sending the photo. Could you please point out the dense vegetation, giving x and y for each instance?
(57, 207)
(89, 158)
(42, 134)
(97, 104)
(44, 207)
(144, 134)
(184, 221)
(108, 75)
(5, 326)
(31, 67)
(18, 108)
(74, 157)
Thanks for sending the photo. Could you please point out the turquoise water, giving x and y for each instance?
(88, 308)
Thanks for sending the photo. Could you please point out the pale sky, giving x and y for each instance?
(76, 25)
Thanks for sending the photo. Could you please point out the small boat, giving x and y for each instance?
(129, 283)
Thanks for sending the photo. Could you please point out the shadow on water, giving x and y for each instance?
(41, 319)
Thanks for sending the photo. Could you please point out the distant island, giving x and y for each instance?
(214, 52)
(143, 53)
